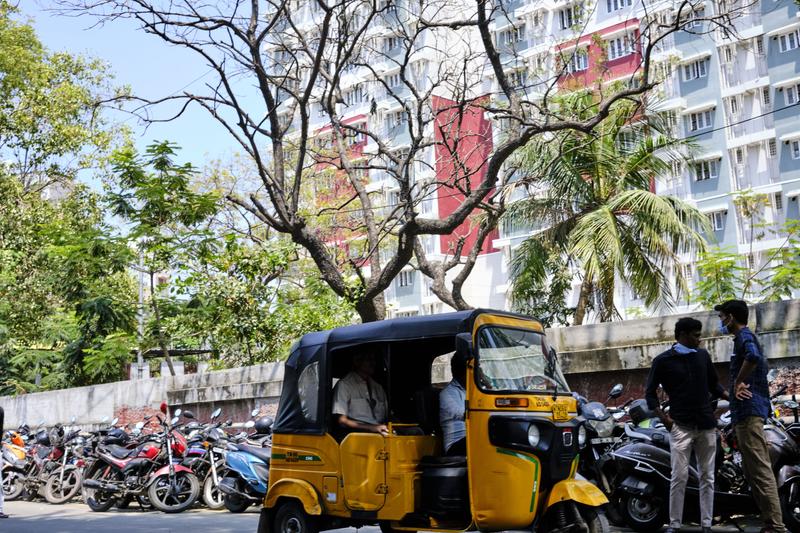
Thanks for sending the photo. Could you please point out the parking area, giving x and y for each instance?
(38, 517)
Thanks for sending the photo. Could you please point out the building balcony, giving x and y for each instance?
(743, 72)
(756, 172)
(752, 130)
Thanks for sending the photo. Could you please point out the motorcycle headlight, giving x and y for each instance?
(533, 435)
(603, 428)
(581, 436)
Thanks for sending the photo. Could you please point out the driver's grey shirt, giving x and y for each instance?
(451, 413)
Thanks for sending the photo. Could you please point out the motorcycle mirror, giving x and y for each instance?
(163, 407)
(771, 375)
(139, 425)
(174, 420)
(188, 414)
(229, 422)
(216, 413)
(114, 421)
(177, 412)
(72, 420)
(104, 420)
(255, 412)
(616, 391)
(790, 404)
(249, 424)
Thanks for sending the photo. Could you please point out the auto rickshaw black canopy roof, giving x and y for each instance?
(293, 411)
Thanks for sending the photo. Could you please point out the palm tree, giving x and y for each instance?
(597, 212)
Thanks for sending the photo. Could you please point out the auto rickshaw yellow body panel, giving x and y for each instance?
(577, 490)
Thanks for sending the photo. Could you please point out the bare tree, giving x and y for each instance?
(357, 113)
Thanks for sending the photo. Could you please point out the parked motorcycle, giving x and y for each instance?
(64, 482)
(247, 476)
(148, 469)
(206, 458)
(644, 469)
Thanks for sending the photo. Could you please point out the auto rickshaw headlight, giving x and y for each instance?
(581, 436)
(533, 435)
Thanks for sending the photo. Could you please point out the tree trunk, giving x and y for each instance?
(371, 309)
(583, 302)
(162, 342)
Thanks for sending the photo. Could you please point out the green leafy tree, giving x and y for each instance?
(595, 208)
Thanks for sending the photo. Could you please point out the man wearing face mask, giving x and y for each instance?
(750, 408)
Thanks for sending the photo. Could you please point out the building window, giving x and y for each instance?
(395, 119)
(518, 78)
(777, 201)
(688, 271)
(717, 220)
(772, 148)
(513, 35)
(620, 47)
(739, 153)
(795, 149)
(698, 69)
(759, 42)
(789, 41)
(405, 278)
(616, 5)
(705, 170)
(792, 94)
(766, 98)
(391, 43)
(579, 61)
(569, 16)
(727, 54)
(733, 106)
(700, 121)
(695, 19)
(392, 80)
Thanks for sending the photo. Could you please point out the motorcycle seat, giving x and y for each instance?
(265, 454)
(120, 452)
(657, 436)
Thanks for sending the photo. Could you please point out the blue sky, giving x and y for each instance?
(149, 66)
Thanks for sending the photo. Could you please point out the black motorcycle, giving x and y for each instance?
(644, 469)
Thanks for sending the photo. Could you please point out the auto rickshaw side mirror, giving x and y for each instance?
(464, 345)
(616, 391)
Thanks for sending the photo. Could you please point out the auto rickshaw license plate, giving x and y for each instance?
(560, 411)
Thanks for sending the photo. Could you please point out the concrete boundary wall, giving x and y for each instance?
(594, 357)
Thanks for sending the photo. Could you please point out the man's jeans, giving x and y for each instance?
(758, 470)
(704, 444)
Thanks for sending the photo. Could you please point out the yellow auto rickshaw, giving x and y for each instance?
(523, 435)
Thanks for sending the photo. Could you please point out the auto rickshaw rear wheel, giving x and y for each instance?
(292, 518)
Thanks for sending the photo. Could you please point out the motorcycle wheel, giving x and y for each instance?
(167, 500)
(791, 510)
(595, 519)
(97, 500)
(236, 504)
(642, 514)
(212, 496)
(56, 492)
(13, 486)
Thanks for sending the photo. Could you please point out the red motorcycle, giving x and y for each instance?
(150, 469)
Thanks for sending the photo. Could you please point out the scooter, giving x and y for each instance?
(246, 479)
(644, 471)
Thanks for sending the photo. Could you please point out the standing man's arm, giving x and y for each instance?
(752, 356)
(714, 387)
(651, 394)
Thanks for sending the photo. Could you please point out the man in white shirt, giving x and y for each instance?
(359, 402)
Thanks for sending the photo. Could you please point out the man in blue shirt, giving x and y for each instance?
(452, 402)
(750, 406)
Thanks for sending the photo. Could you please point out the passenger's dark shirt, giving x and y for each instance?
(691, 382)
(747, 348)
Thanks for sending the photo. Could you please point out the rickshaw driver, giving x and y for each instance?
(452, 407)
(359, 402)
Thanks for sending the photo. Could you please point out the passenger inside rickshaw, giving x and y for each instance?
(402, 373)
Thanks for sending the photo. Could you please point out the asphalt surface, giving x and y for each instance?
(39, 517)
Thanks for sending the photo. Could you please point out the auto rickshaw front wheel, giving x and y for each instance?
(569, 517)
(292, 518)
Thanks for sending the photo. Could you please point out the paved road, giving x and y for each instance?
(36, 517)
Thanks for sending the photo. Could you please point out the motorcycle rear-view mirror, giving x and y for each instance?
(177, 412)
(229, 422)
(188, 414)
(114, 421)
(249, 424)
(216, 413)
(790, 404)
(139, 425)
(255, 412)
(72, 420)
(174, 420)
(616, 391)
(104, 420)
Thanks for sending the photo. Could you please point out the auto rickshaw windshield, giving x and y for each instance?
(517, 360)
